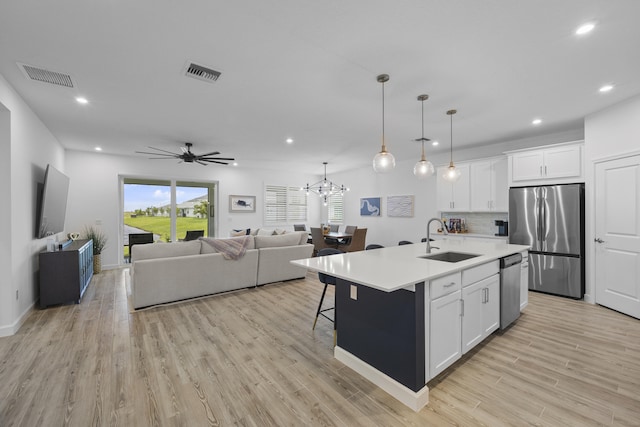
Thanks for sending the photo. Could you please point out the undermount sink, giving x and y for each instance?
(449, 256)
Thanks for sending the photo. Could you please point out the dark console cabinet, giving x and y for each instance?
(65, 274)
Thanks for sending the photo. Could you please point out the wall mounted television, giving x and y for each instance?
(53, 206)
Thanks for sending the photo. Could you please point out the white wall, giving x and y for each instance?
(611, 132)
(94, 192)
(387, 231)
(30, 147)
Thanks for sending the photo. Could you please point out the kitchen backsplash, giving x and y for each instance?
(478, 222)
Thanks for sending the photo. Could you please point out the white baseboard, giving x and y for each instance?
(410, 398)
(11, 329)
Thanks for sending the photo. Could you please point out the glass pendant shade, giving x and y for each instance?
(451, 174)
(383, 161)
(423, 169)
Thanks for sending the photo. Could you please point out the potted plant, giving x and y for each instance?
(99, 243)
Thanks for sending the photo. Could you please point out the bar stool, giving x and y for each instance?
(327, 280)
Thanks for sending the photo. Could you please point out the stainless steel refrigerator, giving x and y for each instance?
(550, 219)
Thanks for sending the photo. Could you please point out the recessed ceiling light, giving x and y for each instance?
(289, 140)
(434, 143)
(82, 100)
(585, 28)
(235, 163)
(98, 148)
(606, 88)
(536, 121)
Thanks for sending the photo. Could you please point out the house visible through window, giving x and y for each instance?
(284, 204)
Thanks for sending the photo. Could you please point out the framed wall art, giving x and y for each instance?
(370, 206)
(400, 206)
(242, 203)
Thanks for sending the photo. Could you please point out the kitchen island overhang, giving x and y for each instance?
(382, 309)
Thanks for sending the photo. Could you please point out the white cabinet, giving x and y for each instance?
(558, 164)
(480, 311)
(445, 324)
(488, 185)
(524, 280)
(453, 197)
(444, 333)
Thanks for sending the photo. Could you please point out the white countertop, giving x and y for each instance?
(392, 268)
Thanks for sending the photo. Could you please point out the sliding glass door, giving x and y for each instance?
(167, 210)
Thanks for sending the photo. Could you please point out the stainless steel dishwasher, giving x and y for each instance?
(509, 289)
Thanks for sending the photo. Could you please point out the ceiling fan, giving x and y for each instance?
(187, 156)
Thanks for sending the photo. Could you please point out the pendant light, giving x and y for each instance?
(325, 188)
(451, 174)
(383, 161)
(424, 168)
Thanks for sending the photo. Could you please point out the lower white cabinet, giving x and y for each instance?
(480, 311)
(444, 332)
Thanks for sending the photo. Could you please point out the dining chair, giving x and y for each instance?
(327, 280)
(138, 239)
(299, 227)
(333, 228)
(349, 229)
(357, 241)
(373, 246)
(193, 235)
(317, 238)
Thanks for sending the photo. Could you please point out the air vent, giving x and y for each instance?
(46, 76)
(201, 72)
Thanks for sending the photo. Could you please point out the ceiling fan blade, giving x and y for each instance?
(213, 153)
(157, 154)
(199, 162)
(215, 161)
(216, 158)
(166, 151)
(161, 158)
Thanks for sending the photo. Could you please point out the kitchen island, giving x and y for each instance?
(401, 318)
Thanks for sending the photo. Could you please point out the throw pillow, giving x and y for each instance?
(265, 232)
(279, 231)
(277, 241)
(241, 232)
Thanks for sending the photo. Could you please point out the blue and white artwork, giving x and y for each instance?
(401, 206)
(370, 206)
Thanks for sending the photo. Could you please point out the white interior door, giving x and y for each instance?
(617, 238)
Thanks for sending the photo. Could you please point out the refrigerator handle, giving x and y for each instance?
(543, 216)
(539, 215)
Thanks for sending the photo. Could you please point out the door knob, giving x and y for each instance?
(598, 240)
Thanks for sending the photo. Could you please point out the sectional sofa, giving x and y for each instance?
(167, 272)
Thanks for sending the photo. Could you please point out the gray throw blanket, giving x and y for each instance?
(231, 248)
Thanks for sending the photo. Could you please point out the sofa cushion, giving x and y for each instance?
(164, 250)
(277, 241)
(265, 232)
(208, 249)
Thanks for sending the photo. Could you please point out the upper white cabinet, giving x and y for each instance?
(562, 163)
(453, 197)
(488, 184)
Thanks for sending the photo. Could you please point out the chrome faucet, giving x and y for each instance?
(444, 229)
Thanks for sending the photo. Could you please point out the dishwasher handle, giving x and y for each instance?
(510, 260)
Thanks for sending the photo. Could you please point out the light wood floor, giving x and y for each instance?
(251, 358)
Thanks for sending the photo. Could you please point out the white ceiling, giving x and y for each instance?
(307, 70)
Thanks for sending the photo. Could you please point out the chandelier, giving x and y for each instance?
(325, 188)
